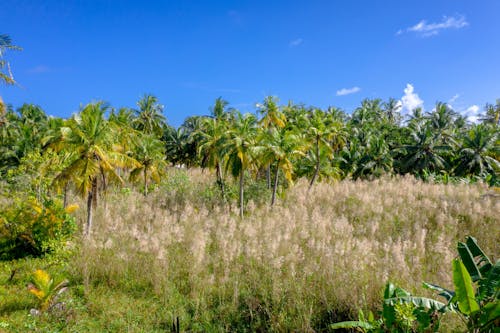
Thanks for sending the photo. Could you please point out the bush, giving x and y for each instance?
(31, 228)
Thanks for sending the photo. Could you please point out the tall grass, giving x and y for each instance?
(314, 259)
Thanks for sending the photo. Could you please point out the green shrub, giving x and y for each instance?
(31, 228)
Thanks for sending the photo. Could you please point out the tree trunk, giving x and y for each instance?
(268, 176)
(242, 173)
(65, 200)
(145, 182)
(316, 172)
(103, 189)
(91, 203)
(104, 183)
(275, 187)
(89, 214)
(219, 179)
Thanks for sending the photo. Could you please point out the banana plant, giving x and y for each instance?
(476, 298)
(401, 313)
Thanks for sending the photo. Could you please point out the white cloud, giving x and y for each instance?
(410, 100)
(425, 29)
(296, 42)
(453, 99)
(348, 91)
(472, 113)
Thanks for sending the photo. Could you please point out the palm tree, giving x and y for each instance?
(369, 112)
(376, 159)
(150, 153)
(22, 132)
(492, 115)
(239, 149)
(219, 109)
(280, 147)
(324, 132)
(121, 123)
(416, 118)
(150, 118)
(5, 72)
(477, 152)
(425, 152)
(211, 136)
(272, 119)
(391, 110)
(441, 121)
(178, 146)
(90, 139)
(191, 127)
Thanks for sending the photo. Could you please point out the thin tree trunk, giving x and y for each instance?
(268, 176)
(316, 172)
(65, 198)
(102, 193)
(89, 214)
(104, 183)
(275, 187)
(242, 172)
(220, 181)
(145, 182)
(91, 204)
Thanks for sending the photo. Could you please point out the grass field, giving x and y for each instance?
(314, 259)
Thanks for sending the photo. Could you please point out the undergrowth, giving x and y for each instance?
(314, 259)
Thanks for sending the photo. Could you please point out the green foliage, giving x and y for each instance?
(401, 312)
(35, 173)
(150, 118)
(46, 289)
(31, 228)
(477, 288)
(5, 72)
(476, 299)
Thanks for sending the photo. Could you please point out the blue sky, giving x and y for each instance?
(188, 53)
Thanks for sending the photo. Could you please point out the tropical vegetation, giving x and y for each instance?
(289, 218)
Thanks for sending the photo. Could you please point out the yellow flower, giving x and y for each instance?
(71, 208)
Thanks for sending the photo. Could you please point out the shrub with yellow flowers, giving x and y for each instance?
(33, 228)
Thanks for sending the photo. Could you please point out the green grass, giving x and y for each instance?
(315, 259)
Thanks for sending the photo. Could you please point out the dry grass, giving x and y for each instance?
(314, 259)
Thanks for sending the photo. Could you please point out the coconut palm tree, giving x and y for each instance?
(324, 133)
(178, 146)
(425, 152)
(150, 153)
(478, 150)
(492, 114)
(239, 149)
(121, 123)
(21, 132)
(219, 111)
(442, 120)
(5, 72)
(369, 112)
(391, 110)
(272, 119)
(211, 136)
(150, 118)
(94, 157)
(375, 160)
(280, 147)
